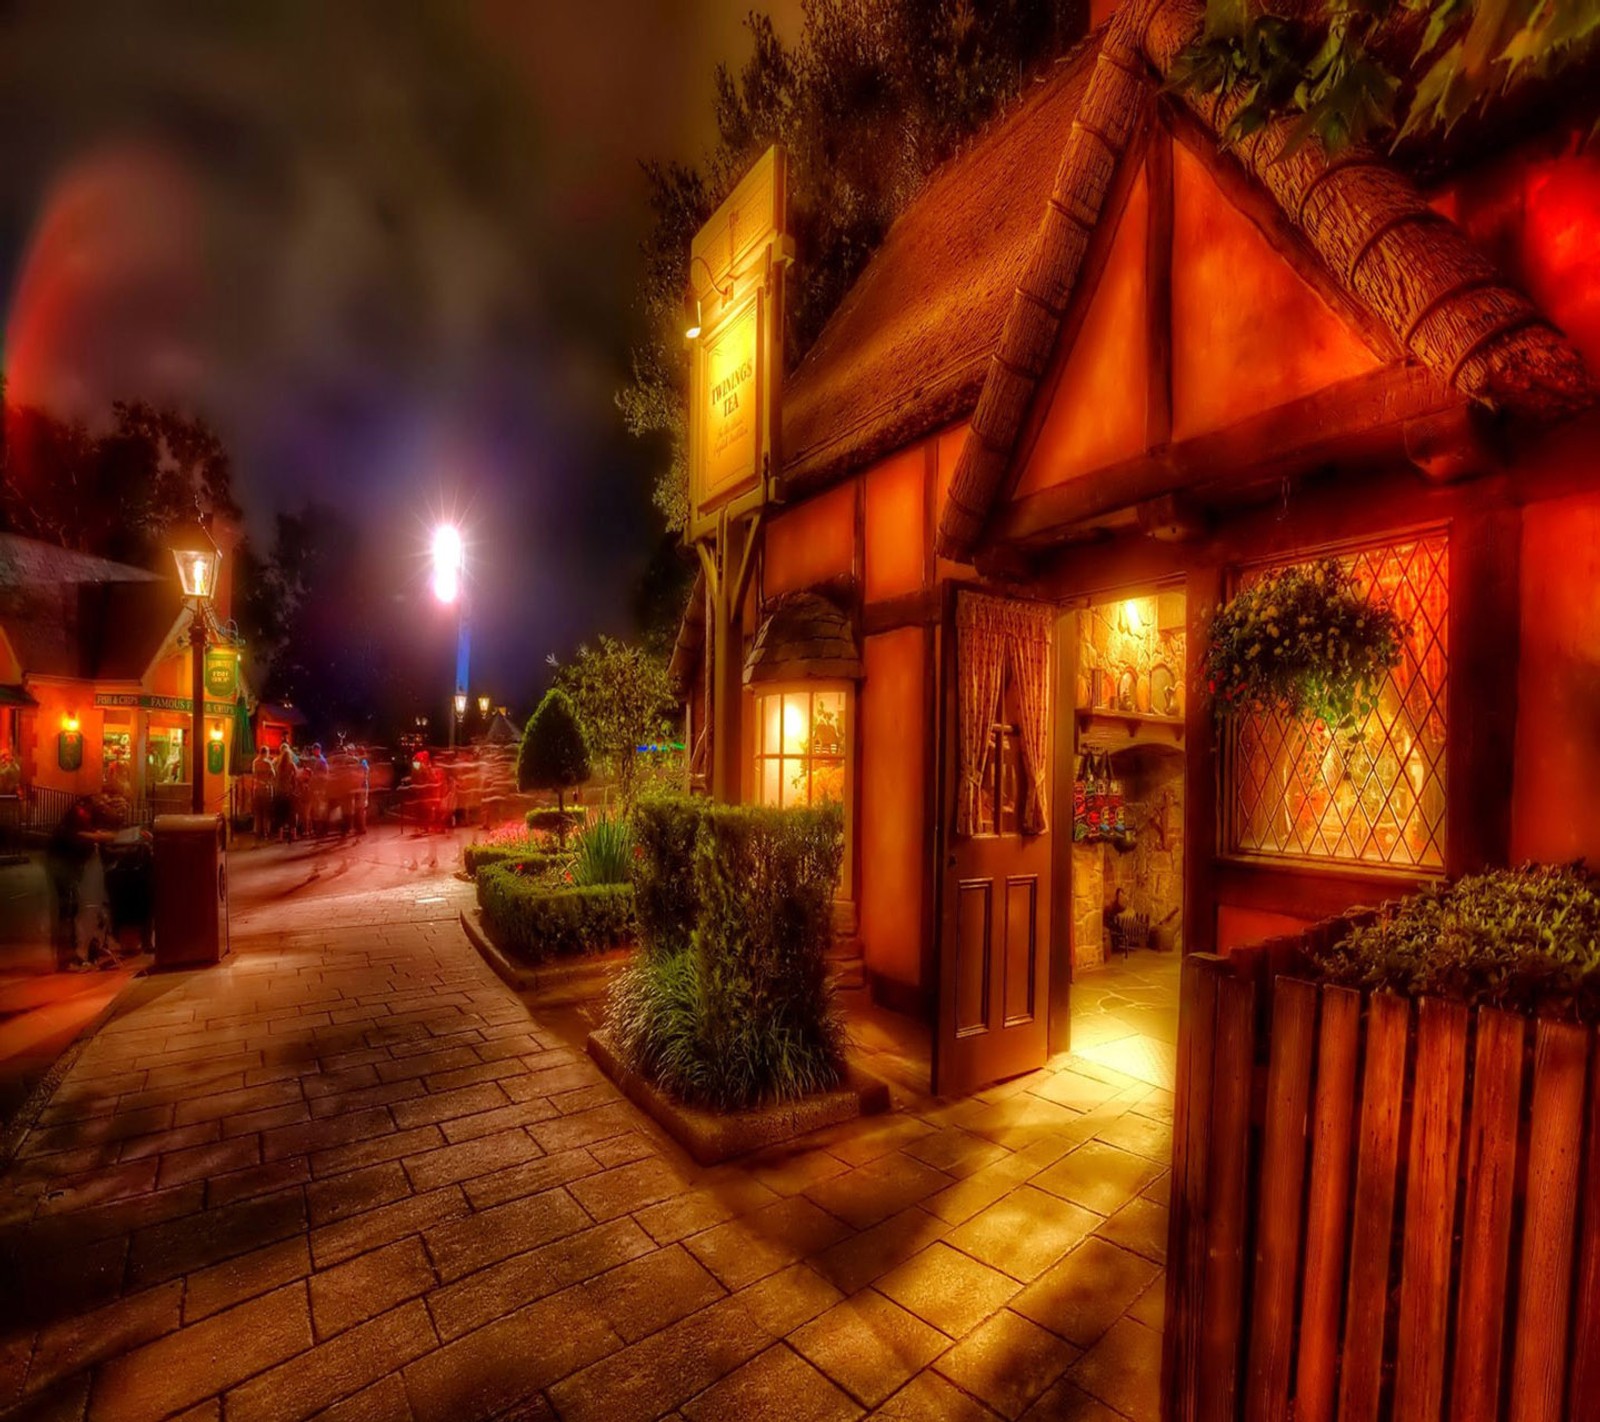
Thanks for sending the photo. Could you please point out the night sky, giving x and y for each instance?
(387, 248)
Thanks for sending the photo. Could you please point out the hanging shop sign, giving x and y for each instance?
(216, 755)
(736, 267)
(69, 750)
(131, 700)
(222, 673)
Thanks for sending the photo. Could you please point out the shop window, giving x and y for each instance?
(802, 752)
(1375, 797)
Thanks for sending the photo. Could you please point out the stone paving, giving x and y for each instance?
(347, 1175)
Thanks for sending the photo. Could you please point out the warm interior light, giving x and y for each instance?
(693, 333)
(216, 733)
(794, 725)
(1130, 615)
(69, 723)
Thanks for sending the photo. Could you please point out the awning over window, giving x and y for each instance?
(804, 637)
(15, 696)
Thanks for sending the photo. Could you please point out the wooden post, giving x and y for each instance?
(1202, 592)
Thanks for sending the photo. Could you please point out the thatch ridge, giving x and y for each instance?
(1417, 272)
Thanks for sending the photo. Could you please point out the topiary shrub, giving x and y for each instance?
(1524, 939)
(743, 1014)
(665, 828)
(537, 921)
(553, 755)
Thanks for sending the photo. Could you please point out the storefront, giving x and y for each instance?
(1101, 374)
(95, 673)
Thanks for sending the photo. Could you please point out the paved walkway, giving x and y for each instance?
(347, 1175)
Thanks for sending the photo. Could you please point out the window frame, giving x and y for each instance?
(1228, 759)
(758, 756)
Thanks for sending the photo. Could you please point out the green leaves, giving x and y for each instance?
(1525, 939)
(1306, 641)
(1322, 73)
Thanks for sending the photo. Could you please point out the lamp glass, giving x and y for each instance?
(483, 705)
(198, 560)
(461, 703)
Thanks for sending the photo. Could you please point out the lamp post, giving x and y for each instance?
(449, 586)
(198, 560)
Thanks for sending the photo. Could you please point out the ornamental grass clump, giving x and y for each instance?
(1526, 939)
(1306, 642)
(603, 852)
(740, 1014)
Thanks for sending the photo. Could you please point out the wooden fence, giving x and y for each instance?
(1381, 1208)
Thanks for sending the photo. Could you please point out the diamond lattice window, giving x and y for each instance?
(1296, 789)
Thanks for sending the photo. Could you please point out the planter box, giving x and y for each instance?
(558, 982)
(713, 1136)
(1379, 1205)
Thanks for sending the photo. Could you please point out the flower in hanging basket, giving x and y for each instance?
(1306, 641)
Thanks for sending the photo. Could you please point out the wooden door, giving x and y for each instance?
(994, 943)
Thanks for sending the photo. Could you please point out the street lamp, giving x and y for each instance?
(483, 707)
(198, 560)
(449, 586)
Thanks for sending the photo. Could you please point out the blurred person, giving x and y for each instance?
(67, 854)
(283, 793)
(261, 777)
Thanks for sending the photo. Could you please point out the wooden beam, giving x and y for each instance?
(1158, 287)
(1481, 692)
(1351, 424)
(1202, 592)
(914, 609)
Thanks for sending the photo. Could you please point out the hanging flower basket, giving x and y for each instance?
(1308, 642)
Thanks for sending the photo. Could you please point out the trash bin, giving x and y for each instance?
(191, 891)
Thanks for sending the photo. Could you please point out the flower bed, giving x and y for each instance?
(536, 916)
(1369, 1185)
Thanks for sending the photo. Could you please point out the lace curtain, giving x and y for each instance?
(992, 636)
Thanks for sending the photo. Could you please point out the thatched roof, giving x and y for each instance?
(908, 348)
(803, 636)
(1415, 271)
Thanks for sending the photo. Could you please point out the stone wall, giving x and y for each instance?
(1137, 635)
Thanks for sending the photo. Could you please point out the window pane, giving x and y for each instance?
(1376, 796)
(771, 780)
(796, 722)
(827, 723)
(827, 781)
(795, 783)
(771, 725)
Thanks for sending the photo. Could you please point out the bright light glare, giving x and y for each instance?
(449, 558)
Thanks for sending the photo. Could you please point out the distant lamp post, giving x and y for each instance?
(449, 586)
(199, 560)
(483, 707)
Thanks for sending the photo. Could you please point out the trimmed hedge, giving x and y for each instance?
(478, 856)
(740, 1014)
(556, 821)
(665, 828)
(1527, 940)
(537, 922)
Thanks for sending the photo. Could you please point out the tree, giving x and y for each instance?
(553, 755)
(623, 700)
(116, 494)
(873, 97)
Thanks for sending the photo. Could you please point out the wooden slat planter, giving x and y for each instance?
(1383, 1210)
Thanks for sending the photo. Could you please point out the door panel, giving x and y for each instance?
(1022, 945)
(994, 958)
(973, 928)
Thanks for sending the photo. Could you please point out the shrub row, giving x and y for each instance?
(537, 922)
(551, 820)
(478, 856)
(1524, 939)
(729, 1006)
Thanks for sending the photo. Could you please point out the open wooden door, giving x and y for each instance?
(994, 940)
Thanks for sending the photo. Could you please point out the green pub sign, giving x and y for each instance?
(222, 674)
